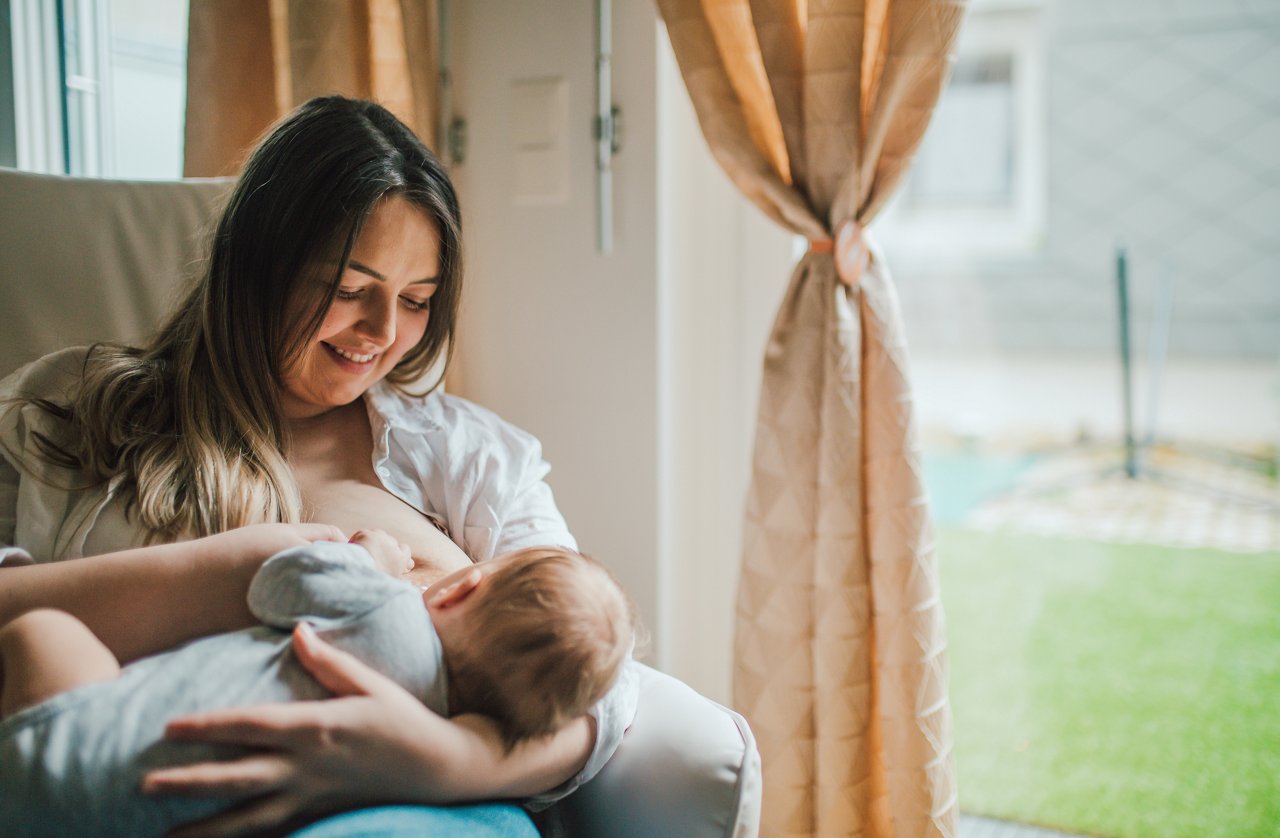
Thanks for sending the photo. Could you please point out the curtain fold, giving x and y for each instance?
(249, 62)
(814, 110)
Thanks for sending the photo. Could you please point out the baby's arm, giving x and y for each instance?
(391, 556)
(47, 652)
(436, 555)
(324, 584)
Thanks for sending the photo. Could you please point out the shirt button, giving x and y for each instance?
(383, 471)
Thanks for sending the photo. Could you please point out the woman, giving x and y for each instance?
(279, 394)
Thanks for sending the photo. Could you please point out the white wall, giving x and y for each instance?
(724, 266)
(638, 371)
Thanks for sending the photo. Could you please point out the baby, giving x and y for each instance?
(531, 639)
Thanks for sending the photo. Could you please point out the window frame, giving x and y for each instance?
(86, 94)
(39, 123)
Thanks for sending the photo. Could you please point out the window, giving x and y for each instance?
(1101, 625)
(977, 181)
(99, 86)
(970, 160)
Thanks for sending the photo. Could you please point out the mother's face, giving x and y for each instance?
(380, 312)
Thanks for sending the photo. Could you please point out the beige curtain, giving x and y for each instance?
(814, 109)
(251, 61)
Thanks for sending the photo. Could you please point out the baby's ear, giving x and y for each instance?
(457, 591)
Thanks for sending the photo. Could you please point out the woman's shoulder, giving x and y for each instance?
(54, 376)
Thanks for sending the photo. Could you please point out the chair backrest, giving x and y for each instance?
(84, 260)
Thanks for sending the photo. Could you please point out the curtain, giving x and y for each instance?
(249, 62)
(814, 110)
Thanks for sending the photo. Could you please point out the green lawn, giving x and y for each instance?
(1119, 690)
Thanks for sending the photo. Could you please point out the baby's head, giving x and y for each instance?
(531, 639)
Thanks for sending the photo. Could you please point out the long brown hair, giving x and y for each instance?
(192, 420)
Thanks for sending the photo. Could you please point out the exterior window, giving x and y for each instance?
(100, 86)
(977, 182)
(86, 93)
(968, 158)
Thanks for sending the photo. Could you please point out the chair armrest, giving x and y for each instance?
(687, 766)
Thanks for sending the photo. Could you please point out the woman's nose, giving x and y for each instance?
(378, 323)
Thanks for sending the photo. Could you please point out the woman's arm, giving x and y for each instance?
(374, 743)
(477, 766)
(141, 601)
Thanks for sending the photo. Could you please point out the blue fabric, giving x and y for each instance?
(488, 820)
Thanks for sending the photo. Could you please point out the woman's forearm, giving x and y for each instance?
(474, 765)
(138, 601)
(144, 600)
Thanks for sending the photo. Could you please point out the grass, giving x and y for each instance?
(1119, 690)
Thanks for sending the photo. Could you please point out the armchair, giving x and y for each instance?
(83, 260)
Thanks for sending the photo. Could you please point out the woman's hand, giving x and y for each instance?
(373, 743)
(318, 757)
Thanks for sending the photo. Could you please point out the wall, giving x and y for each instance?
(724, 266)
(555, 337)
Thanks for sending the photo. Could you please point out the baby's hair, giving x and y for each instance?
(545, 642)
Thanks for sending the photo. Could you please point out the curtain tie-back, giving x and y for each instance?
(850, 249)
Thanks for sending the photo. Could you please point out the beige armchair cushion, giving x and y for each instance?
(84, 260)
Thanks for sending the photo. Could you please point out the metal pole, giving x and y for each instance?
(1126, 363)
(444, 81)
(604, 126)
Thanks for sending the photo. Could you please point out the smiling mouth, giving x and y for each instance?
(354, 357)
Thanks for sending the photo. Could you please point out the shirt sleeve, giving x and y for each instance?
(488, 478)
(9, 478)
(9, 555)
(43, 494)
(530, 517)
(325, 583)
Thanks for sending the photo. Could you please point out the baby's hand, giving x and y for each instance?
(390, 555)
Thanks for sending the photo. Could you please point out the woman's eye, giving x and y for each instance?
(415, 305)
(344, 294)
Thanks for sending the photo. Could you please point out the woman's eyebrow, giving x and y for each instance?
(365, 269)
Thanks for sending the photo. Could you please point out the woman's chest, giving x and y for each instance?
(333, 466)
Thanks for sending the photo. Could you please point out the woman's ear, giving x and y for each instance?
(456, 591)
